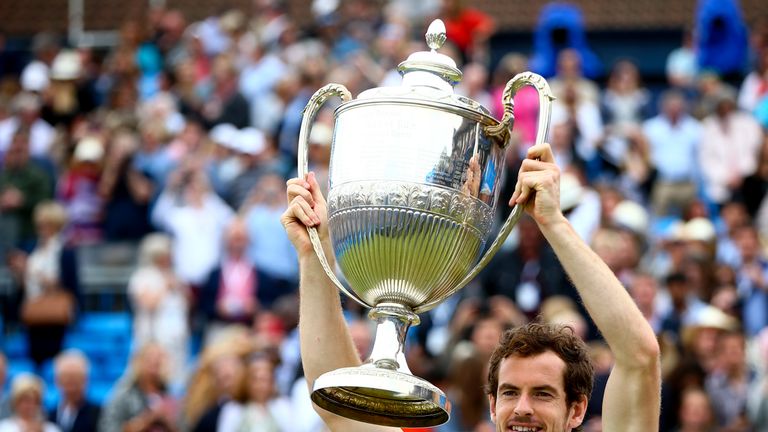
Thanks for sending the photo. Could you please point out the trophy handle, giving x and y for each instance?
(310, 111)
(502, 129)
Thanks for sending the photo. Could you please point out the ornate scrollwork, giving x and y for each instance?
(415, 196)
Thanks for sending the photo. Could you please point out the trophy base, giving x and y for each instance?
(381, 396)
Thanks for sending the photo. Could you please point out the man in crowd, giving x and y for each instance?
(540, 376)
(74, 412)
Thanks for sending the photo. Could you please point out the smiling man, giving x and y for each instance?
(540, 376)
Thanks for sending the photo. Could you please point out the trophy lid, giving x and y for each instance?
(430, 68)
(428, 78)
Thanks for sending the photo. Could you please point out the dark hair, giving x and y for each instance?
(536, 338)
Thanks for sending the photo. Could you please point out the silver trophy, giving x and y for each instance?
(414, 182)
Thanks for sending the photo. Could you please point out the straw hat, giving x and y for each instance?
(66, 66)
(89, 149)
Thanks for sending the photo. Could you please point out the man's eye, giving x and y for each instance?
(543, 395)
(509, 393)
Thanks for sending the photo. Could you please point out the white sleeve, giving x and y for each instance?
(161, 213)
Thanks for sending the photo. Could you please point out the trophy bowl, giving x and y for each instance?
(414, 182)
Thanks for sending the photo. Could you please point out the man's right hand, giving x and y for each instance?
(306, 208)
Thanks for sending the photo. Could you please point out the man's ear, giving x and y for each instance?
(492, 405)
(577, 412)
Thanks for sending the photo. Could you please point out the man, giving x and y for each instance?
(673, 139)
(229, 295)
(74, 413)
(23, 184)
(540, 376)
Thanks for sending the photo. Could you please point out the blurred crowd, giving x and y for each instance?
(179, 140)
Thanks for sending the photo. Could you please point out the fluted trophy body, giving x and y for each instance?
(414, 183)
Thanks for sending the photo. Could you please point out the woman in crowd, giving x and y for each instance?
(262, 409)
(140, 401)
(27, 404)
(51, 284)
(160, 303)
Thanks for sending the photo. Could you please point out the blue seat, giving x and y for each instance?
(99, 391)
(19, 365)
(109, 323)
(15, 345)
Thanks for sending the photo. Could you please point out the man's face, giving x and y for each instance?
(531, 396)
(71, 381)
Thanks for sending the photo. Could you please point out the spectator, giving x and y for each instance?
(217, 379)
(256, 158)
(730, 143)
(624, 105)
(66, 98)
(74, 413)
(754, 88)
(644, 290)
(262, 409)
(78, 190)
(526, 99)
(140, 401)
(754, 189)
(26, 109)
(695, 413)
(23, 185)
(27, 402)
(752, 279)
(727, 385)
(561, 27)
(681, 65)
(195, 217)
(230, 294)
(223, 101)
(685, 309)
(673, 138)
(527, 274)
(468, 28)
(50, 269)
(160, 303)
(721, 37)
(276, 277)
(125, 190)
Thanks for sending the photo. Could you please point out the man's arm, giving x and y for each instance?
(632, 395)
(326, 344)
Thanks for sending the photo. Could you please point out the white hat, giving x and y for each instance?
(571, 191)
(89, 149)
(631, 215)
(699, 229)
(250, 141)
(321, 134)
(34, 77)
(225, 135)
(66, 66)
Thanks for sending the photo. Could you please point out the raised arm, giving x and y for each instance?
(632, 395)
(326, 344)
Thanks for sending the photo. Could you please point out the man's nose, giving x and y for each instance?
(523, 406)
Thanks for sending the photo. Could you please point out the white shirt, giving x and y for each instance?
(12, 425)
(197, 234)
(278, 416)
(728, 153)
(41, 136)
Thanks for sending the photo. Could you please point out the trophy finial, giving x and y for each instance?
(436, 35)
